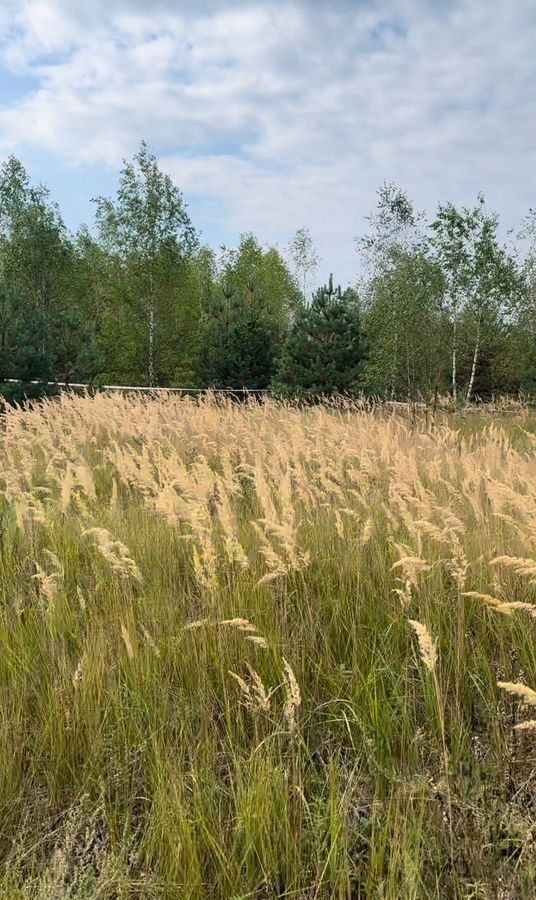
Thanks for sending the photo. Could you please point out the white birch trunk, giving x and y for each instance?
(393, 370)
(151, 334)
(395, 355)
(151, 344)
(454, 353)
(473, 367)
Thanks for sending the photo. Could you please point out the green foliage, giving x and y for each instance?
(305, 257)
(24, 355)
(394, 227)
(261, 277)
(149, 214)
(148, 302)
(523, 317)
(135, 303)
(481, 277)
(44, 322)
(401, 302)
(35, 249)
(324, 349)
(404, 326)
(497, 370)
(239, 346)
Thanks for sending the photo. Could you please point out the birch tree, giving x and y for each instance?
(403, 325)
(42, 322)
(480, 275)
(453, 232)
(305, 258)
(399, 297)
(149, 231)
(35, 247)
(261, 277)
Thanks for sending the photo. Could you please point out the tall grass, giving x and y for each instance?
(253, 651)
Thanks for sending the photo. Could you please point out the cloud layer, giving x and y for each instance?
(273, 114)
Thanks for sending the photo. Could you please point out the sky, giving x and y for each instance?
(276, 114)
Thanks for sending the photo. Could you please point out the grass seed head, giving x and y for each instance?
(427, 646)
(526, 694)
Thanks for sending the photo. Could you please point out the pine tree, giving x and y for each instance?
(238, 347)
(323, 351)
(24, 356)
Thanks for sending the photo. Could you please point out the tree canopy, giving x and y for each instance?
(137, 299)
(323, 352)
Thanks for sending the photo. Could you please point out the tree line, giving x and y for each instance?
(441, 306)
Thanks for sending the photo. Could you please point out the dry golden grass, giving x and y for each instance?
(252, 650)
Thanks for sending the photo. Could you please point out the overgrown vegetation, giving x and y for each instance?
(259, 651)
(441, 305)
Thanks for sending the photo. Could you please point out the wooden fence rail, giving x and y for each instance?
(133, 387)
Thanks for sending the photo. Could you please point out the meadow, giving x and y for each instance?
(257, 651)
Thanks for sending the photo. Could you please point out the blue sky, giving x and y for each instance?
(277, 114)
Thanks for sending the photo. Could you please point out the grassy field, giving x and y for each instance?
(251, 651)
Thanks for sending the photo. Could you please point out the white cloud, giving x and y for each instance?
(276, 114)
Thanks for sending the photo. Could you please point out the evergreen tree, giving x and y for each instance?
(35, 250)
(324, 349)
(238, 347)
(24, 355)
(41, 313)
